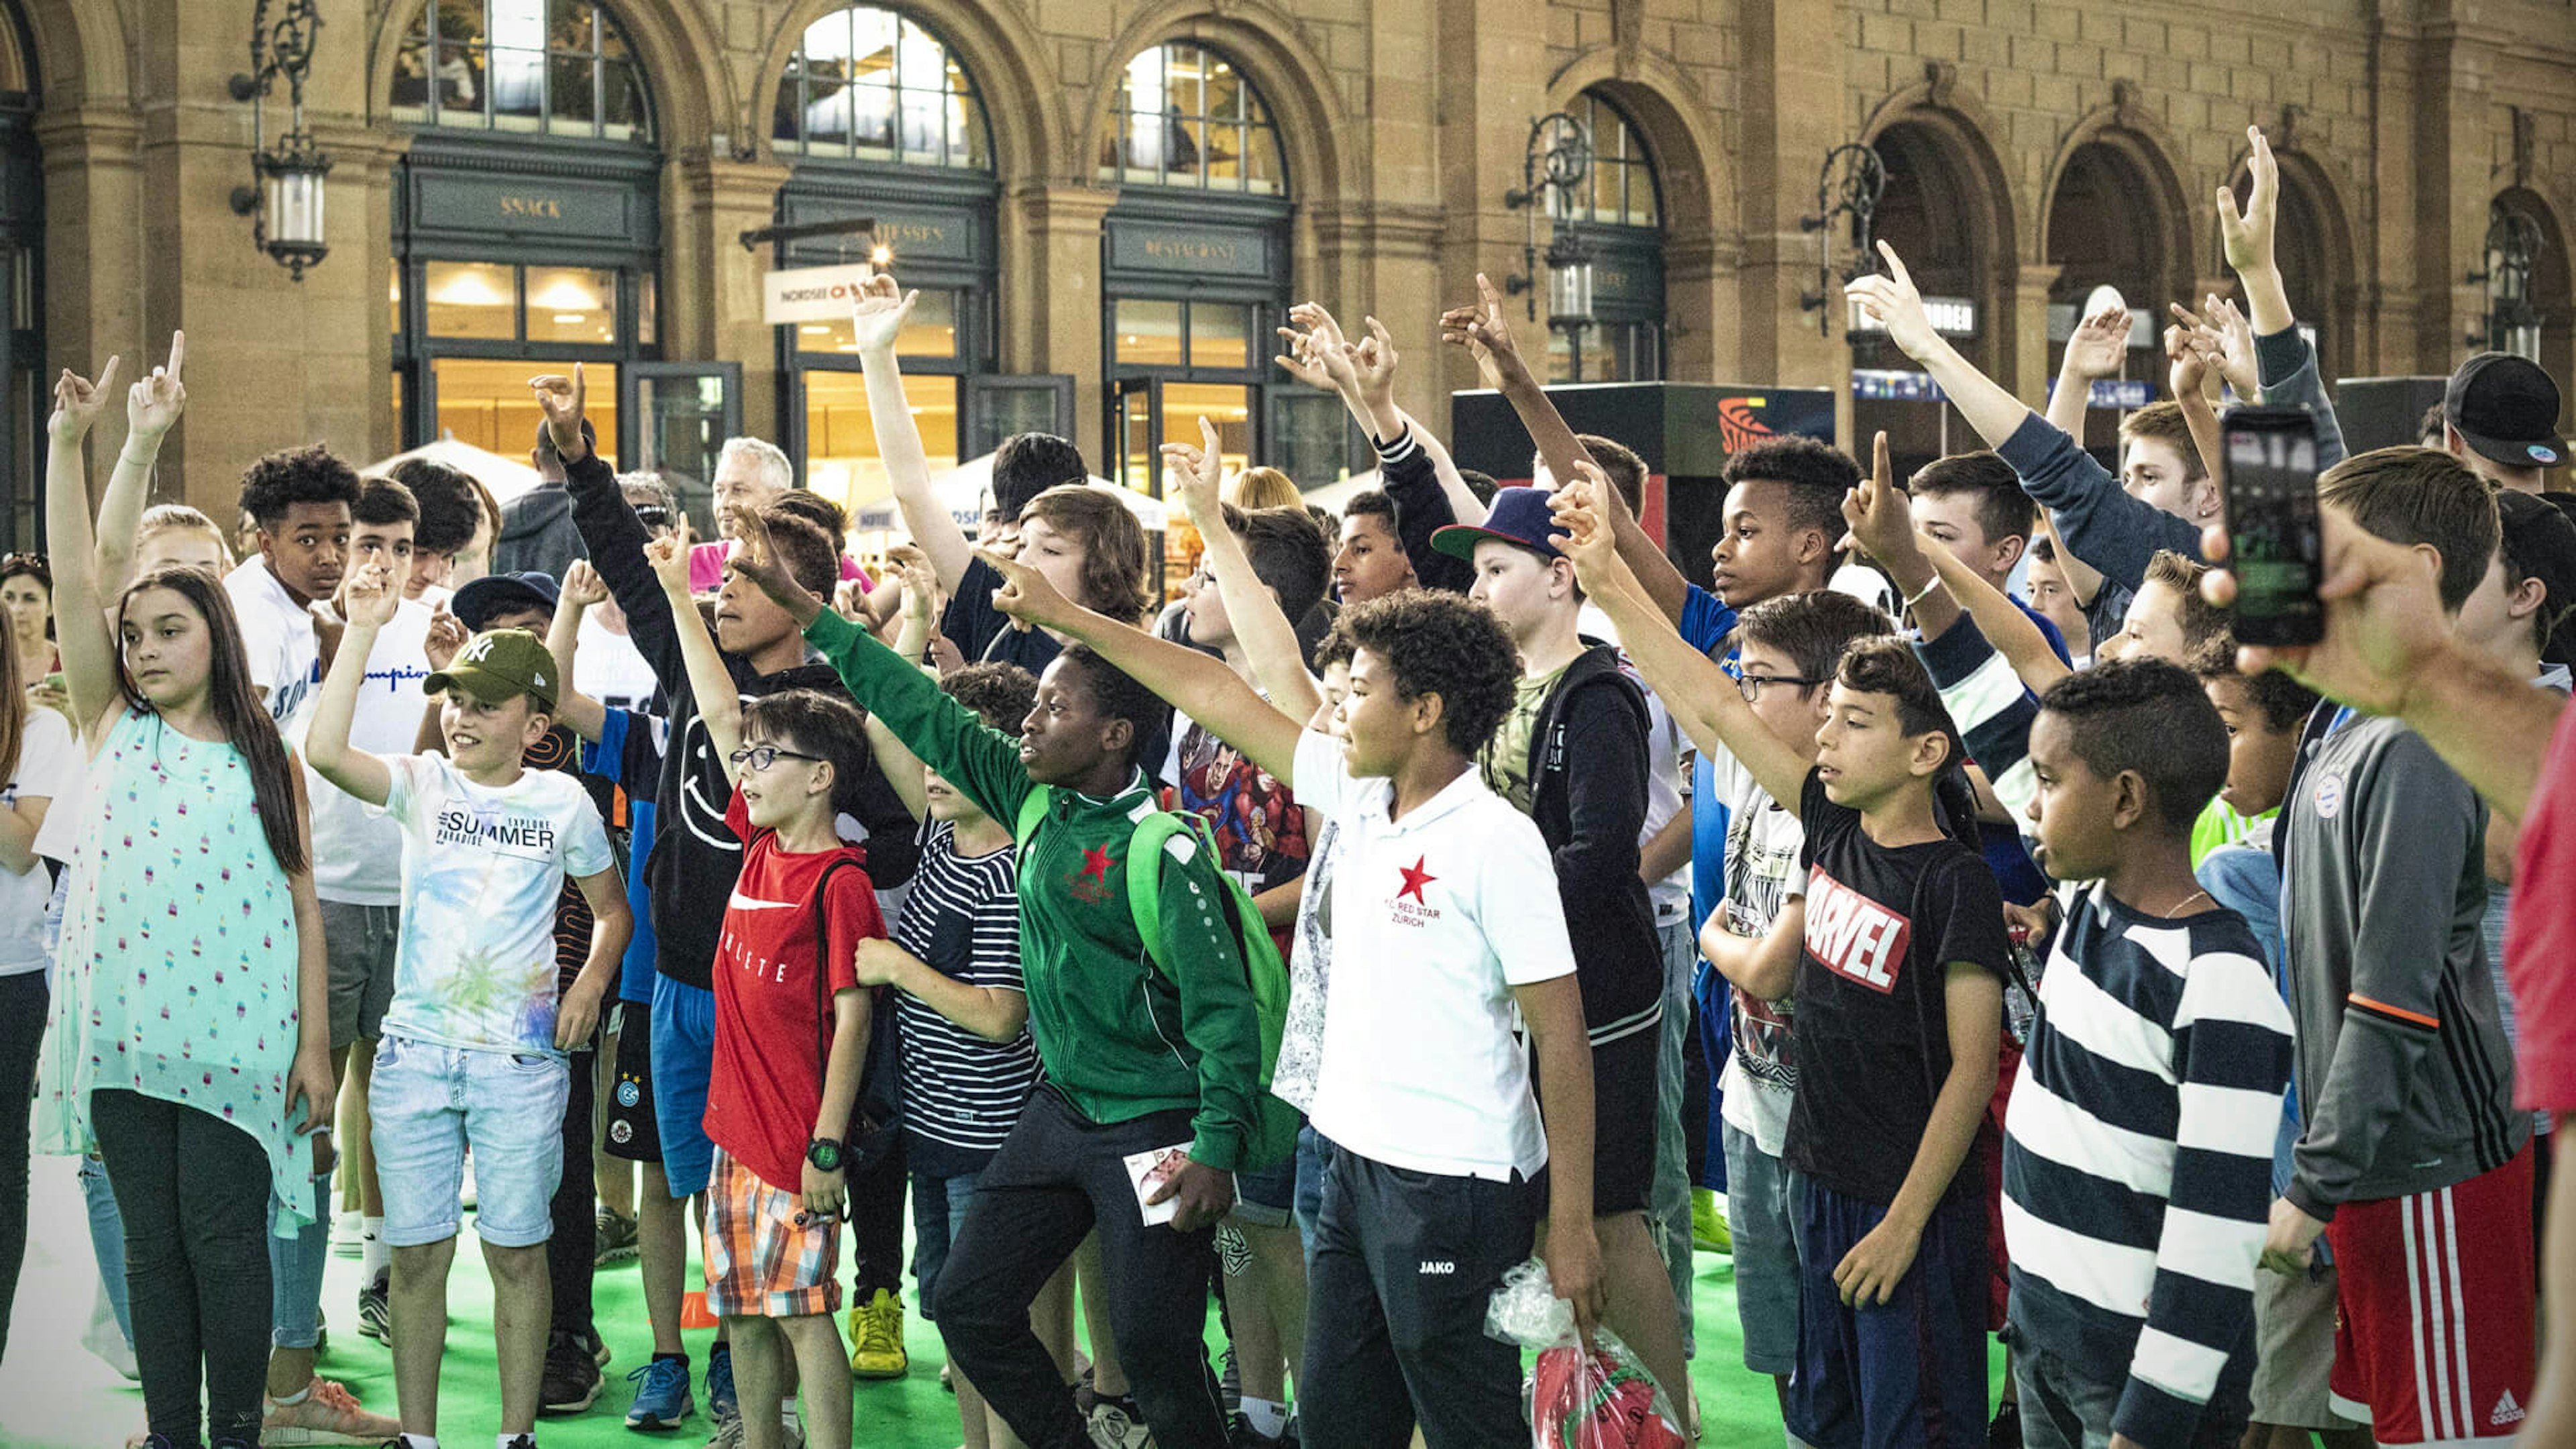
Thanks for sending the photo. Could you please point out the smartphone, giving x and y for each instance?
(2275, 545)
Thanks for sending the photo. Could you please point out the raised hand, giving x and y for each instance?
(1482, 330)
(1326, 345)
(877, 318)
(1302, 362)
(1026, 596)
(1581, 530)
(1200, 472)
(920, 580)
(1373, 365)
(447, 635)
(670, 561)
(2187, 359)
(2233, 334)
(562, 399)
(583, 588)
(2100, 344)
(373, 595)
(1893, 301)
(755, 557)
(78, 402)
(153, 404)
(1879, 514)
(2247, 235)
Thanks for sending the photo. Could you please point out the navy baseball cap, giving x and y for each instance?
(479, 602)
(2506, 407)
(1518, 516)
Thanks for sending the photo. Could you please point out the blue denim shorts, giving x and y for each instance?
(428, 1102)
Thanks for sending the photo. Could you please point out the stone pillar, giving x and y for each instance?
(1385, 260)
(1484, 143)
(1051, 297)
(710, 290)
(2028, 300)
(1793, 94)
(1701, 283)
(93, 259)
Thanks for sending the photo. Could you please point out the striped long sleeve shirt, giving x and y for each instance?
(2138, 1139)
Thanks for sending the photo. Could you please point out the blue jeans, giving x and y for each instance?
(1668, 1198)
(107, 1241)
(938, 1214)
(1314, 1157)
(295, 1269)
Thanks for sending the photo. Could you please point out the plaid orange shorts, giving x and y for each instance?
(761, 1263)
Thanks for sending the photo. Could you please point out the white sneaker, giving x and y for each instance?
(105, 1339)
(348, 1235)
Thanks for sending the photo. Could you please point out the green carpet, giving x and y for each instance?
(55, 1395)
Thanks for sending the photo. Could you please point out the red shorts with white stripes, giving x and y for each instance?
(2434, 1318)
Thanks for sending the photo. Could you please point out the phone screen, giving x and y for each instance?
(2277, 550)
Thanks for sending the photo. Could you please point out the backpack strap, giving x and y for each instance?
(1033, 810)
(1145, 877)
(823, 967)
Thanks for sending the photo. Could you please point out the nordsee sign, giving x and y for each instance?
(812, 294)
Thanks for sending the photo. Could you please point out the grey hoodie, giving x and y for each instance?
(537, 533)
(2405, 1073)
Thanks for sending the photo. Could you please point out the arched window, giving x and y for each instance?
(1187, 116)
(867, 84)
(1618, 214)
(552, 67)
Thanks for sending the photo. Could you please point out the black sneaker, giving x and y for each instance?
(375, 1310)
(2005, 1431)
(599, 1353)
(572, 1379)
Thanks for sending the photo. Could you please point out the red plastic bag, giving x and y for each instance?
(1598, 1398)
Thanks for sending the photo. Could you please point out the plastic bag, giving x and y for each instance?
(1578, 1399)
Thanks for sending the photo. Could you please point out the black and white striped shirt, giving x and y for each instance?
(963, 919)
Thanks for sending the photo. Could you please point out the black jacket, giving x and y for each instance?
(1406, 472)
(696, 857)
(1587, 771)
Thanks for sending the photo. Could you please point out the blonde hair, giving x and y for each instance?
(1263, 488)
(180, 518)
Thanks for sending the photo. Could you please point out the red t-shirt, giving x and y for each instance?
(768, 1079)
(2540, 940)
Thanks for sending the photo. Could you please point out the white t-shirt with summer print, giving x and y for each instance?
(482, 869)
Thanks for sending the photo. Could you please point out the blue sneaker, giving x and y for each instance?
(661, 1395)
(720, 1396)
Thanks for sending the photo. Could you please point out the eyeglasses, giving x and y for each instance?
(1750, 685)
(652, 515)
(761, 757)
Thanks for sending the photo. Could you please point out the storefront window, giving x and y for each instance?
(486, 403)
(1185, 116)
(841, 459)
(556, 67)
(868, 84)
(572, 304)
(473, 300)
(931, 331)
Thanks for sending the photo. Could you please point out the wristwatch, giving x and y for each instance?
(824, 1153)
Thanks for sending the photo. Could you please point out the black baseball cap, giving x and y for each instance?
(2506, 407)
(494, 594)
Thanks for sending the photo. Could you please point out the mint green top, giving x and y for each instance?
(178, 959)
(2219, 825)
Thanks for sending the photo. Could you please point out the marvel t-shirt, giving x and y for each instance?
(767, 1084)
(1873, 1040)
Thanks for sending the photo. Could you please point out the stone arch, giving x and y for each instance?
(1313, 124)
(2119, 161)
(1023, 110)
(1937, 145)
(1695, 187)
(680, 55)
(81, 51)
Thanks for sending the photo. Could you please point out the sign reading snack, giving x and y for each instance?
(812, 294)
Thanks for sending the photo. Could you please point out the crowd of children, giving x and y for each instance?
(1439, 885)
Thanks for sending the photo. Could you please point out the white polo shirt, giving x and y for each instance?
(277, 638)
(1435, 917)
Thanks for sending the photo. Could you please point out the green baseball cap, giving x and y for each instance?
(497, 664)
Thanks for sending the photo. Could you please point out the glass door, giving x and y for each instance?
(1136, 452)
(678, 416)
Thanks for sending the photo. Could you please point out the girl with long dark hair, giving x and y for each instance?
(189, 1040)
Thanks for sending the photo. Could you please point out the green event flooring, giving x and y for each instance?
(55, 1395)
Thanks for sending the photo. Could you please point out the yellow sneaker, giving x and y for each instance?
(876, 1338)
(1708, 1223)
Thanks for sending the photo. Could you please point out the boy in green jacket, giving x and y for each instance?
(1139, 1054)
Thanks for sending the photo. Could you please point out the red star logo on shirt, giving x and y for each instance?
(1095, 863)
(1415, 878)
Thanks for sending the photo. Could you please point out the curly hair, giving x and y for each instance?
(2151, 717)
(1114, 558)
(815, 509)
(1118, 695)
(1817, 476)
(1441, 644)
(1000, 694)
(311, 474)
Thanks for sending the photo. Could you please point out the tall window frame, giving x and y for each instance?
(876, 64)
(1619, 211)
(523, 67)
(1212, 133)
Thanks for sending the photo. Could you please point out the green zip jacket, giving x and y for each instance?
(1119, 1038)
